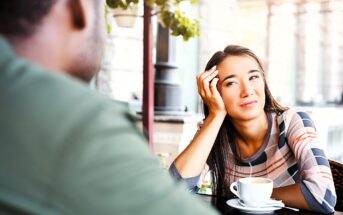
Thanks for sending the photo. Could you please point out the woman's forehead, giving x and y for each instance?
(237, 65)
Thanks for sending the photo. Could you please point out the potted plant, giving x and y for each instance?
(169, 12)
(125, 15)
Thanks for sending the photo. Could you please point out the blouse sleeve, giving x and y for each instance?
(316, 178)
(191, 183)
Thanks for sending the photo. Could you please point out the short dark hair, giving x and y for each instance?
(21, 17)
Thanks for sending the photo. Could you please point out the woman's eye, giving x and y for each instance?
(230, 83)
(253, 77)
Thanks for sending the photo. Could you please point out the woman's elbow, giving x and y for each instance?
(328, 203)
(325, 205)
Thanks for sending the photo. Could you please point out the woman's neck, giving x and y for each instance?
(251, 135)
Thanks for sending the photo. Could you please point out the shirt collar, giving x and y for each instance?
(6, 49)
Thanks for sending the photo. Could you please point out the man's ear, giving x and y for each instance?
(77, 13)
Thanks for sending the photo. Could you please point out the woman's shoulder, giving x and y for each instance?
(293, 117)
(291, 113)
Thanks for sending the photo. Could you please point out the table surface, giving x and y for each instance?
(220, 204)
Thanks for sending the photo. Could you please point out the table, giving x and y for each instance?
(220, 204)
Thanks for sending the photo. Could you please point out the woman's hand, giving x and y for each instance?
(207, 89)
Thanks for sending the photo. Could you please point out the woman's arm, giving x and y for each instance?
(315, 190)
(291, 195)
(192, 160)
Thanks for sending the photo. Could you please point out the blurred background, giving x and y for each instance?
(300, 43)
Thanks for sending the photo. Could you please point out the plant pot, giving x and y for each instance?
(126, 17)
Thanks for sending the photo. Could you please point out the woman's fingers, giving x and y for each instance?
(204, 80)
(213, 86)
(205, 74)
(216, 103)
(208, 80)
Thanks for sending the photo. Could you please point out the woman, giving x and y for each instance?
(247, 133)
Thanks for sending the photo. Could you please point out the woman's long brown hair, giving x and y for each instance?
(218, 159)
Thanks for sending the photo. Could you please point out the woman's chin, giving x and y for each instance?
(249, 115)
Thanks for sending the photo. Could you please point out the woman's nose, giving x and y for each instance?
(246, 89)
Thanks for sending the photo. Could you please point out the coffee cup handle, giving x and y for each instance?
(234, 189)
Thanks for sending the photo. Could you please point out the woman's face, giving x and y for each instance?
(241, 86)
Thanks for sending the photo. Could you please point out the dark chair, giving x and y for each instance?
(337, 173)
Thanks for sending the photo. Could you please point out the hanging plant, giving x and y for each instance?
(170, 15)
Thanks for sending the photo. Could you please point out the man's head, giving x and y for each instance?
(61, 35)
(20, 17)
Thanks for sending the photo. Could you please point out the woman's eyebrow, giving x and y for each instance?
(254, 70)
(229, 76)
(233, 75)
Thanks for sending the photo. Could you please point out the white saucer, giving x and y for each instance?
(235, 204)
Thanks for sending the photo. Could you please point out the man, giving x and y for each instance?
(64, 148)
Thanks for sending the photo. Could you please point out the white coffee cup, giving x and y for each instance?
(253, 191)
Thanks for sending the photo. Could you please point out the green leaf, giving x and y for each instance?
(170, 15)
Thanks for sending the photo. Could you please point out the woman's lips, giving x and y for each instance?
(248, 103)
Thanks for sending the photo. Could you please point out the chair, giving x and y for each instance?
(337, 173)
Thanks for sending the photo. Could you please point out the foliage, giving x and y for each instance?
(170, 15)
(162, 157)
(124, 4)
(108, 25)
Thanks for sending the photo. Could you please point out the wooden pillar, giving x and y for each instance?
(148, 78)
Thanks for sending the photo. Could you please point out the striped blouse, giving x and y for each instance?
(290, 154)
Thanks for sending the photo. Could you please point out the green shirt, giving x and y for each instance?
(68, 150)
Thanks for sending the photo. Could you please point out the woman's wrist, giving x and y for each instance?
(219, 115)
